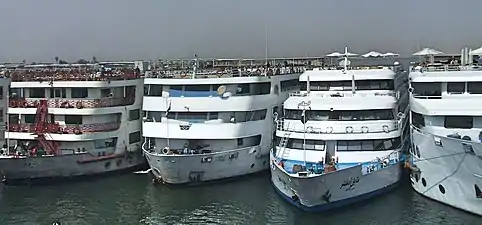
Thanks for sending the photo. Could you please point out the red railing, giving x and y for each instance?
(66, 129)
(71, 75)
(72, 103)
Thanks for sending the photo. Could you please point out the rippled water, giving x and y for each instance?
(132, 199)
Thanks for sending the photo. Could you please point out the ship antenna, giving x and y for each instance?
(195, 66)
(266, 49)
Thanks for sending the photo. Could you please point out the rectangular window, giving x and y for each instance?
(474, 87)
(134, 114)
(29, 118)
(36, 93)
(461, 122)
(134, 137)
(1, 92)
(456, 87)
(79, 93)
(417, 120)
(1, 116)
(153, 90)
(369, 145)
(73, 119)
(243, 89)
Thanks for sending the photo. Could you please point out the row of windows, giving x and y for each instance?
(199, 117)
(62, 92)
(206, 90)
(435, 88)
(369, 145)
(347, 85)
(457, 122)
(351, 145)
(324, 115)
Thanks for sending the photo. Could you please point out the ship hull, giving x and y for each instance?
(447, 172)
(203, 168)
(46, 170)
(333, 190)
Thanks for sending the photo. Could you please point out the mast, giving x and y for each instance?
(194, 71)
(266, 48)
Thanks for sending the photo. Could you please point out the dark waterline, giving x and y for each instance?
(132, 199)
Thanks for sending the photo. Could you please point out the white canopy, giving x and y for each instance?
(428, 51)
(334, 54)
(390, 54)
(372, 54)
(477, 52)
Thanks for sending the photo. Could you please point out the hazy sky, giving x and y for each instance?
(146, 29)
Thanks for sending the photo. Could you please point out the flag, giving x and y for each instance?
(303, 117)
(168, 109)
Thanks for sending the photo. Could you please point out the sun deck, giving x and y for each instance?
(203, 74)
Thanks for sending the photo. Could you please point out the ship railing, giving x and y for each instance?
(72, 103)
(254, 72)
(339, 127)
(340, 94)
(49, 76)
(445, 67)
(66, 129)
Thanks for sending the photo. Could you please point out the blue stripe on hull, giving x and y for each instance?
(340, 203)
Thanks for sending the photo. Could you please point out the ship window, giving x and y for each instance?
(1, 92)
(456, 87)
(374, 85)
(368, 145)
(134, 114)
(1, 115)
(261, 88)
(153, 90)
(213, 116)
(79, 93)
(29, 118)
(318, 86)
(474, 87)
(105, 92)
(73, 119)
(462, 122)
(428, 90)
(134, 137)
(197, 88)
(105, 143)
(193, 117)
(240, 142)
(417, 120)
(243, 89)
(287, 85)
(36, 93)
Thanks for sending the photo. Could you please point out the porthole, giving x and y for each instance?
(252, 165)
(441, 188)
(424, 183)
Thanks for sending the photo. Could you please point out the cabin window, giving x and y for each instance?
(134, 114)
(345, 115)
(105, 143)
(1, 92)
(243, 89)
(318, 145)
(374, 85)
(192, 117)
(29, 118)
(153, 90)
(418, 120)
(474, 87)
(461, 122)
(1, 116)
(261, 88)
(287, 85)
(213, 116)
(427, 90)
(369, 145)
(456, 88)
(79, 93)
(105, 93)
(134, 137)
(73, 119)
(36, 93)
(197, 91)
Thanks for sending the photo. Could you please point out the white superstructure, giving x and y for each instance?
(72, 120)
(446, 133)
(340, 139)
(200, 128)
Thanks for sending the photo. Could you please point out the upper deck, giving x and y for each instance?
(47, 74)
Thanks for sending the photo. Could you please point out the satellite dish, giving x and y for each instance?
(221, 90)
(342, 63)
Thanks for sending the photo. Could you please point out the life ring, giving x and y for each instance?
(13, 104)
(36, 103)
(65, 104)
(77, 130)
(60, 130)
(25, 104)
(165, 151)
(79, 105)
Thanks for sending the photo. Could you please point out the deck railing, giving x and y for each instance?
(72, 103)
(74, 75)
(66, 129)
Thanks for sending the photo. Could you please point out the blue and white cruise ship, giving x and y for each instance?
(204, 127)
(341, 137)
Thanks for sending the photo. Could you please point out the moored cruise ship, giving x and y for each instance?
(341, 136)
(67, 121)
(209, 126)
(446, 132)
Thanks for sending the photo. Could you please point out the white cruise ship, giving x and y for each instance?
(66, 121)
(200, 128)
(446, 132)
(341, 137)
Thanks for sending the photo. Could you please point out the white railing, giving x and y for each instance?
(442, 68)
(339, 94)
(341, 127)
